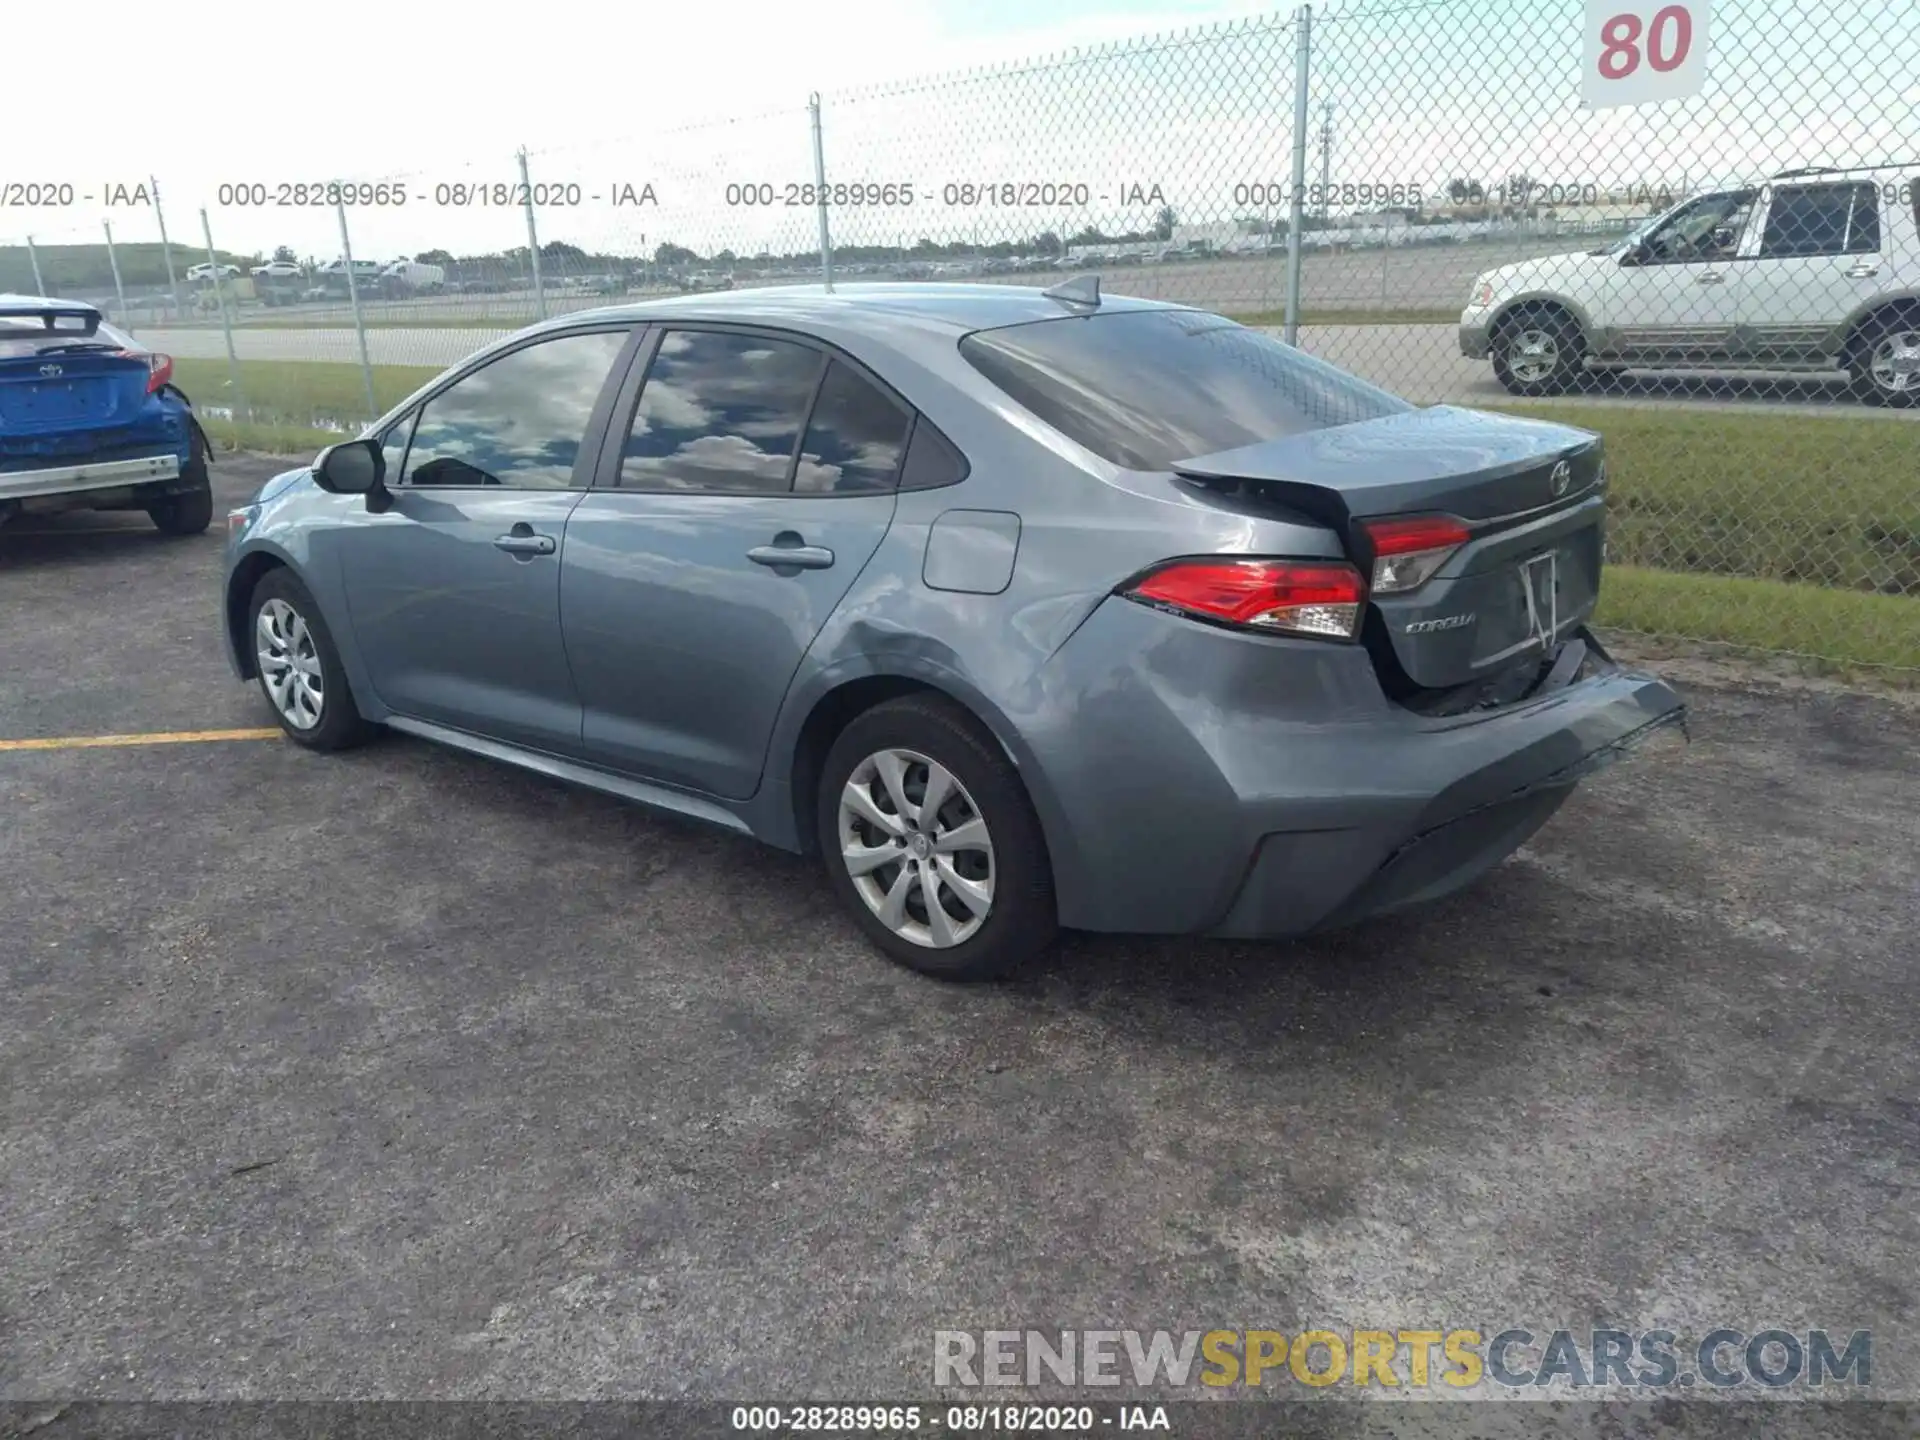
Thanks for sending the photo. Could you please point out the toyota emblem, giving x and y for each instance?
(47, 372)
(1561, 478)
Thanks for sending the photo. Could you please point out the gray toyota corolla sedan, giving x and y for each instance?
(1023, 609)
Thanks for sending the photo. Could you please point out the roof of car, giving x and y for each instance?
(876, 306)
(1815, 172)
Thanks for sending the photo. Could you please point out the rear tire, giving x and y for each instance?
(298, 666)
(1884, 359)
(188, 512)
(1538, 352)
(963, 891)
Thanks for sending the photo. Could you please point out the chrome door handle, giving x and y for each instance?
(798, 557)
(1712, 277)
(1863, 271)
(524, 544)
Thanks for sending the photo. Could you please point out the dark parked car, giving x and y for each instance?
(91, 420)
(1022, 608)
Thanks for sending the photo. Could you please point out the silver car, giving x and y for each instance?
(1023, 609)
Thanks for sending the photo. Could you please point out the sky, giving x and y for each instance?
(1135, 108)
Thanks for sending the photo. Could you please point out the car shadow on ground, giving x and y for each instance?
(1480, 967)
(1747, 388)
(89, 537)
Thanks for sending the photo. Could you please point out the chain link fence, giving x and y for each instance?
(1442, 196)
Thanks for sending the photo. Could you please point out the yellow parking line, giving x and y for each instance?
(160, 737)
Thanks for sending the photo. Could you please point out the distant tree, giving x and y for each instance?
(561, 250)
(285, 254)
(1089, 236)
(1047, 243)
(1164, 222)
(724, 257)
(670, 254)
(434, 257)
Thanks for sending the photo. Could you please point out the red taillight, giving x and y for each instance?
(159, 367)
(1295, 597)
(1407, 552)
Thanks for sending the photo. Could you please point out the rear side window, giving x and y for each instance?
(932, 460)
(720, 410)
(1822, 220)
(1146, 388)
(854, 439)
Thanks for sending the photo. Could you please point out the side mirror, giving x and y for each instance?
(353, 467)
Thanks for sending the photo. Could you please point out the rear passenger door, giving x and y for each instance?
(747, 478)
(1818, 259)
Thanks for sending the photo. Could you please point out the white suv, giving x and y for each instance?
(1808, 270)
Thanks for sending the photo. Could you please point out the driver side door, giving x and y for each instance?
(454, 588)
(1670, 296)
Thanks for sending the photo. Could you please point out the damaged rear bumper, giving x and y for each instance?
(1496, 780)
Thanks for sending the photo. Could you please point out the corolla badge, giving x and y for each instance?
(1445, 622)
(1561, 478)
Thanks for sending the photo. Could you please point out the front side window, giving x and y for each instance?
(720, 411)
(517, 421)
(854, 437)
(1146, 388)
(1822, 220)
(393, 446)
(1707, 229)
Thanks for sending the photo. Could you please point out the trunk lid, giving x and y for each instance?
(1531, 493)
(54, 390)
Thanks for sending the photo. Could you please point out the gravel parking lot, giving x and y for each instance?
(404, 1074)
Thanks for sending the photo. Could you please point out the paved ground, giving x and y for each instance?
(405, 1074)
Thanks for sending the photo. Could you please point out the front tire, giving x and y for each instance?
(190, 511)
(1884, 360)
(931, 843)
(1538, 352)
(299, 668)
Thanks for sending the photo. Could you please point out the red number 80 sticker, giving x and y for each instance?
(1636, 54)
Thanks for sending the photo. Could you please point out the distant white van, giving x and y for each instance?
(415, 276)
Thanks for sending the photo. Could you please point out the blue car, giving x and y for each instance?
(91, 420)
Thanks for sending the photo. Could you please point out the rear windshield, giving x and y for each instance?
(1146, 388)
(30, 337)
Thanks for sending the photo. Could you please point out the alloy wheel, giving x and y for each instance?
(917, 848)
(289, 664)
(1895, 364)
(1532, 355)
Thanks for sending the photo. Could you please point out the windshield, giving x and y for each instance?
(1146, 388)
(29, 337)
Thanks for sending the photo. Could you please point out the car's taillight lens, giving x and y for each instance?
(1291, 597)
(159, 367)
(1406, 553)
